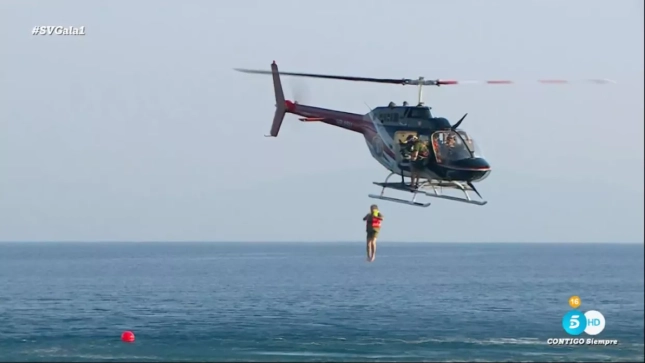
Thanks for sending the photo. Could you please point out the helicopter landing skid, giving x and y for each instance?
(428, 188)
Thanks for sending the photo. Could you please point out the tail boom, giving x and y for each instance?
(346, 120)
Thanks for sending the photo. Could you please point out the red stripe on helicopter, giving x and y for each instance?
(352, 121)
(467, 169)
(495, 81)
(505, 81)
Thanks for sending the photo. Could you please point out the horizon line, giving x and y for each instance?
(323, 242)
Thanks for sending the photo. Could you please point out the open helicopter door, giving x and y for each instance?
(400, 137)
(404, 164)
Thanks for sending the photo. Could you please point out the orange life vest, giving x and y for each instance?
(376, 222)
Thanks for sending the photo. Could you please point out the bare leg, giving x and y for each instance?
(413, 179)
(373, 245)
(367, 248)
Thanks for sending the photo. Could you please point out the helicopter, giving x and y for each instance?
(455, 161)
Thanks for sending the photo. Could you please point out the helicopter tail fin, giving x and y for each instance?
(281, 106)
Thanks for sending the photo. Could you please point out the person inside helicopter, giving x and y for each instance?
(405, 146)
(418, 157)
(451, 141)
(452, 148)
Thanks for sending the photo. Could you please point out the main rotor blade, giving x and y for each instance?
(327, 76)
(420, 80)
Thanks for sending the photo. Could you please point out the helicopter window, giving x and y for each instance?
(470, 144)
(419, 112)
(448, 147)
(389, 117)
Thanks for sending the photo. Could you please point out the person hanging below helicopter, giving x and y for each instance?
(372, 227)
(418, 158)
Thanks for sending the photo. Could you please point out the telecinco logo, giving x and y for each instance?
(575, 322)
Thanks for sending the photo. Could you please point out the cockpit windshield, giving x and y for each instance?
(452, 146)
(470, 144)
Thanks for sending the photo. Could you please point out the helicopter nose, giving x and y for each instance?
(474, 164)
(475, 169)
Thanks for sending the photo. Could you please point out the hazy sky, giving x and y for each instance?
(141, 130)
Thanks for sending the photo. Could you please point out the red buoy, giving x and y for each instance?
(127, 336)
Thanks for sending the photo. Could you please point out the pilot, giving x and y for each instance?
(418, 157)
(451, 141)
(453, 148)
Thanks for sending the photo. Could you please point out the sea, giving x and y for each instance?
(310, 302)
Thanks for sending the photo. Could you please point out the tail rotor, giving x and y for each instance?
(299, 90)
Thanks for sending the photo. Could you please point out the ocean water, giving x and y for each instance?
(314, 302)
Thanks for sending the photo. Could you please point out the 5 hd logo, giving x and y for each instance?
(576, 322)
